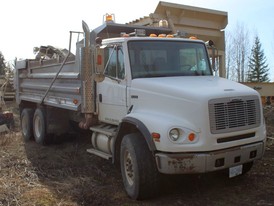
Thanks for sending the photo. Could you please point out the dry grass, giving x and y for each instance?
(13, 169)
(62, 174)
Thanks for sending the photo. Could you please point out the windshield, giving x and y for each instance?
(168, 58)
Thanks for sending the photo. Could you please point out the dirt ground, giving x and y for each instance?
(64, 174)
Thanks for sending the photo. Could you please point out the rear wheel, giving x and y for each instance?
(139, 171)
(39, 126)
(26, 124)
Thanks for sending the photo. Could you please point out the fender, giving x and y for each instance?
(144, 131)
(123, 130)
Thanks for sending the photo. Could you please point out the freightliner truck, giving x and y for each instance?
(149, 99)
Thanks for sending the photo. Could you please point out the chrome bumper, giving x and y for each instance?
(189, 163)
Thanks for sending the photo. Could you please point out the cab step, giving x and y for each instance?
(105, 129)
(99, 153)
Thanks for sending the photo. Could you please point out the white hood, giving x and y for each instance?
(193, 87)
(163, 103)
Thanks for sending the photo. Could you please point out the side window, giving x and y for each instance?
(120, 65)
(114, 58)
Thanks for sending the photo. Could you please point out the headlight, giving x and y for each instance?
(174, 134)
(183, 135)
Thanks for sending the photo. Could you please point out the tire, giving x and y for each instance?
(39, 126)
(139, 171)
(26, 124)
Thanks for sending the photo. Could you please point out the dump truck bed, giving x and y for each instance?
(35, 82)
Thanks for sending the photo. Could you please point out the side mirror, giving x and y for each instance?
(210, 45)
(100, 66)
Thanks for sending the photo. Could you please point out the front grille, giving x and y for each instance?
(234, 114)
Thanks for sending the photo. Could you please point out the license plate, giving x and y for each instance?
(235, 171)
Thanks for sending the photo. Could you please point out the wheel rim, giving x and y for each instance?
(128, 166)
(37, 127)
(24, 125)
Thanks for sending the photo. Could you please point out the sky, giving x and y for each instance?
(31, 23)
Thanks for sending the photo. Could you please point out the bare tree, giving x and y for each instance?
(237, 52)
(228, 52)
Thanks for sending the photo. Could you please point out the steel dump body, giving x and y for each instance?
(35, 77)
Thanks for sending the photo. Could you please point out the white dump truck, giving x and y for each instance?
(150, 101)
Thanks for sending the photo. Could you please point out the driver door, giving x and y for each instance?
(112, 91)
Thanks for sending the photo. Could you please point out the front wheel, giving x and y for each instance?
(138, 167)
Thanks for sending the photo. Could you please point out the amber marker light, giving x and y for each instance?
(191, 137)
(109, 17)
(99, 59)
(156, 136)
(125, 35)
(193, 38)
(75, 101)
(152, 35)
(162, 35)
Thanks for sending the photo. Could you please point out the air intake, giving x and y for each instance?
(234, 114)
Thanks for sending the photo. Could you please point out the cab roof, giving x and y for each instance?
(111, 30)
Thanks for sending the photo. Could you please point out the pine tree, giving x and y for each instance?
(2, 64)
(258, 68)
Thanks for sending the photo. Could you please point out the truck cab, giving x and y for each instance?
(191, 120)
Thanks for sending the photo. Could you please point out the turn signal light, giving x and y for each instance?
(191, 137)
(156, 136)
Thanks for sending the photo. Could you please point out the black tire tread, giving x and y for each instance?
(28, 112)
(43, 139)
(148, 172)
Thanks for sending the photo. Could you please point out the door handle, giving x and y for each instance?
(100, 97)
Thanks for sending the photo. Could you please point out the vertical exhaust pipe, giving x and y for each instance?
(87, 77)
